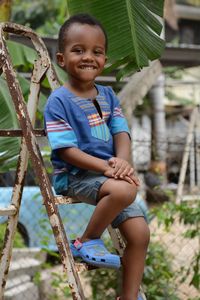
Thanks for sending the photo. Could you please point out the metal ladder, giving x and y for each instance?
(191, 158)
(29, 148)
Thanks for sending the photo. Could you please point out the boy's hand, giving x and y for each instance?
(123, 170)
(121, 167)
(131, 179)
(109, 172)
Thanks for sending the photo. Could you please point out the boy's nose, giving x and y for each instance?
(88, 56)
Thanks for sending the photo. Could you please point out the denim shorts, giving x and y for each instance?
(85, 185)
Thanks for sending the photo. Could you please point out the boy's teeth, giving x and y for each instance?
(88, 68)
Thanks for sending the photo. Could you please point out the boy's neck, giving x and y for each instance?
(84, 90)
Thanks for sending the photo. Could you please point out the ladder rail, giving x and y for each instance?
(19, 184)
(33, 148)
(8, 211)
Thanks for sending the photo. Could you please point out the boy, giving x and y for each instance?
(90, 144)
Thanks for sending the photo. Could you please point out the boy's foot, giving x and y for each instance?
(95, 253)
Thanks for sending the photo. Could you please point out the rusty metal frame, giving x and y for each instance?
(29, 147)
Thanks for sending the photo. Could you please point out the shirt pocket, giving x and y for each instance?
(99, 128)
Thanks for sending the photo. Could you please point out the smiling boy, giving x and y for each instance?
(90, 144)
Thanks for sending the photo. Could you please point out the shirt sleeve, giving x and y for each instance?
(118, 121)
(59, 132)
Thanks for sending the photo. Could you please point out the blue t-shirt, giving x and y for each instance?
(71, 121)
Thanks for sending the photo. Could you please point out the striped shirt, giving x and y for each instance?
(71, 121)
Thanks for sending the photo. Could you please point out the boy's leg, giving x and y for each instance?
(136, 233)
(114, 196)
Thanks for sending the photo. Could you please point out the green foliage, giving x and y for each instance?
(181, 100)
(189, 214)
(159, 278)
(174, 72)
(104, 283)
(18, 240)
(5, 11)
(45, 16)
(60, 283)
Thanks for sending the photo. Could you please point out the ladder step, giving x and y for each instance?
(64, 200)
(18, 132)
(82, 266)
(8, 211)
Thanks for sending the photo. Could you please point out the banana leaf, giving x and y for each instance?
(9, 147)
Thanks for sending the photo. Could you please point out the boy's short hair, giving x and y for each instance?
(81, 18)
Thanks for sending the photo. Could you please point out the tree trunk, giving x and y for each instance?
(159, 127)
(5, 10)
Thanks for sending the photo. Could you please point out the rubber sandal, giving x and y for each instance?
(94, 253)
(73, 249)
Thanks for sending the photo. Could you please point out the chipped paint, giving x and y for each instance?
(26, 117)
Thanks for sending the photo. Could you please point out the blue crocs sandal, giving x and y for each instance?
(94, 253)
(73, 249)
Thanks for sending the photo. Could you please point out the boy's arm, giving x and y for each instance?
(120, 163)
(85, 161)
(122, 144)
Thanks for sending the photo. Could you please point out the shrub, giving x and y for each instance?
(18, 240)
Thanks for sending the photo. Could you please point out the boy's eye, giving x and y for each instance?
(98, 52)
(78, 50)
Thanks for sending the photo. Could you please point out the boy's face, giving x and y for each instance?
(84, 56)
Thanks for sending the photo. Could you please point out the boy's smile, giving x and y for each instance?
(84, 55)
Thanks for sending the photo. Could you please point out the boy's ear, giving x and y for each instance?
(60, 59)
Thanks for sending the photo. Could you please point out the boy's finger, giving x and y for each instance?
(131, 172)
(128, 179)
(127, 172)
(121, 169)
(136, 180)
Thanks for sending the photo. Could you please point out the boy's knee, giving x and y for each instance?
(139, 233)
(124, 192)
